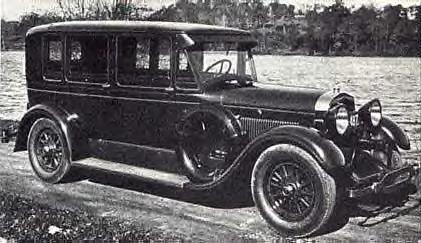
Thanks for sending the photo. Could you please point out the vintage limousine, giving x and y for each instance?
(186, 97)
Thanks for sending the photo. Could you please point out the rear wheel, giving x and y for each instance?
(292, 192)
(48, 150)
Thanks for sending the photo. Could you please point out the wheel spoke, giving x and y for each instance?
(297, 175)
(304, 202)
(278, 176)
(275, 184)
(297, 205)
(284, 169)
(306, 193)
(55, 162)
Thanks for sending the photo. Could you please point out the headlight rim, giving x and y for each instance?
(380, 112)
(345, 127)
(365, 113)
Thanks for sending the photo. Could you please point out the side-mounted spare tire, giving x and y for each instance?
(48, 150)
(291, 191)
(206, 147)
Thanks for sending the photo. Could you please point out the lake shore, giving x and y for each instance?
(276, 52)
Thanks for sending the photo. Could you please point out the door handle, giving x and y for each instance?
(169, 89)
(105, 85)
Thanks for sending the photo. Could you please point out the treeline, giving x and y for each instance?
(280, 28)
(319, 30)
(13, 32)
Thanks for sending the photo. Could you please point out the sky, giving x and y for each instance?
(13, 9)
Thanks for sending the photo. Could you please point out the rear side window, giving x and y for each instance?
(87, 59)
(143, 61)
(53, 58)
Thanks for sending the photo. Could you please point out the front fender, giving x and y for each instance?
(67, 122)
(326, 153)
(395, 133)
(233, 128)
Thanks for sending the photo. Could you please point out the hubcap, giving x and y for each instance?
(48, 150)
(291, 191)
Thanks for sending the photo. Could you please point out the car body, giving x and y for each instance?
(187, 97)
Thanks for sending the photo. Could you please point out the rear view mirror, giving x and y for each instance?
(183, 41)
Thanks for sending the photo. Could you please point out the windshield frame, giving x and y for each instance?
(248, 60)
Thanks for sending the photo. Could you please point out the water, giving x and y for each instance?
(395, 81)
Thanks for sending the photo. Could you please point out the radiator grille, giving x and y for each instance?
(254, 126)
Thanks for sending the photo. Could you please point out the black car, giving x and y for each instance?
(186, 97)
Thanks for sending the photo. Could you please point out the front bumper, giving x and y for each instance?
(387, 183)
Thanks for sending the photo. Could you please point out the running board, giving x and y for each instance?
(149, 175)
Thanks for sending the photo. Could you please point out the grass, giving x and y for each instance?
(23, 219)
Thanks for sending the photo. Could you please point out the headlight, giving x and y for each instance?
(375, 113)
(341, 120)
(371, 113)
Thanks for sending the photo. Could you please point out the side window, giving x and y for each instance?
(164, 50)
(142, 55)
(53, 62)
(133, 61)
(87, 59)
(143, 61)
(185, 78)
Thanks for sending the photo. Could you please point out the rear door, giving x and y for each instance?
(87, 75)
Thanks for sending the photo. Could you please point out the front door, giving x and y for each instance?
(144, 90)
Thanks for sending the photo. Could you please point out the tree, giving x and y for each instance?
(99, 10)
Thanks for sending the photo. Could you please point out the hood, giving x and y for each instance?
(269, 96)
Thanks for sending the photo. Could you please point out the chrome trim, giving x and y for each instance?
(323, 102)
(138, 146)
(113, 97)
(254, 126)
(268, 109)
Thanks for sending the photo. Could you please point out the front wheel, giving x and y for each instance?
(48, 151)
(292, 192)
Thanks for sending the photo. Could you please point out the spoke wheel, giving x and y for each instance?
(48, 150)
(292, 192)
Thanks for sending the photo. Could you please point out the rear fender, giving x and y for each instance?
(69, 124)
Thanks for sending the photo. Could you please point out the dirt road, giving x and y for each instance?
(170, 210)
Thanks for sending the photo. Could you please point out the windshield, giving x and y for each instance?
(219, 64)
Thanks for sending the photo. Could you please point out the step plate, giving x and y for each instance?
(168, 179)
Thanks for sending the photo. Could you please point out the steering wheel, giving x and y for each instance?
(220, 62)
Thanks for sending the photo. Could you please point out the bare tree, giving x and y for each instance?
(99, 9)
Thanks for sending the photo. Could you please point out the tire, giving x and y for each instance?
(48, 151)
(291, 191)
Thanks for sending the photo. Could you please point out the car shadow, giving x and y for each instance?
(383, 208)
(373, 210)
(215, 199)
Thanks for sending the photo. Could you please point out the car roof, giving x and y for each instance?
(134, 26)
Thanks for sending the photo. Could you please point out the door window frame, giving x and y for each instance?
(67, 44)
(179, 89)
(144, 35)
(46, 54)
